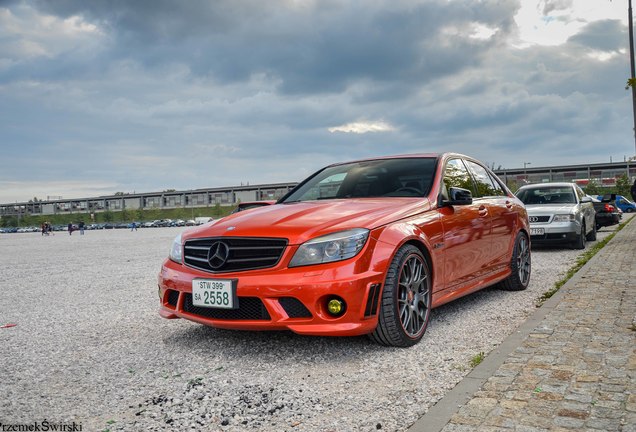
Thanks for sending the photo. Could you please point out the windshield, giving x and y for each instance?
(547, 195)
(407, 177)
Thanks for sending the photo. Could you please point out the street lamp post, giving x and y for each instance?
(632, 68)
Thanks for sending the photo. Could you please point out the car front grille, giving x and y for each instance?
(227, 254)
(539, 219)
(249, 308)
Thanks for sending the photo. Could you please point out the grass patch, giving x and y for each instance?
(580, 262)
(477, 359)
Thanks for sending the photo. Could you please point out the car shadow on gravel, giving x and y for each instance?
(266, 344)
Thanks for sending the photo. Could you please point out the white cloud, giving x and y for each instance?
(29, 33)
(362, 127)
(551, 23)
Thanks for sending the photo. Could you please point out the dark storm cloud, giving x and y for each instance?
(606, 35)
(321, 49)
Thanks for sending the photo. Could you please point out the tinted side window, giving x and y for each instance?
(485, 185)
(456, 175)
(498, 187)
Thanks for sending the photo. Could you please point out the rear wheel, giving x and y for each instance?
(406, 300)
(520, 264)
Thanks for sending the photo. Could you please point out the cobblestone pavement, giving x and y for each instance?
(576, 368)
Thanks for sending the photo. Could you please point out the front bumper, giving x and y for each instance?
(280, 299)
(555, 232)
(607, 219)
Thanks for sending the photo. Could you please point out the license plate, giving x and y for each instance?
(214, 293)
(537, 231)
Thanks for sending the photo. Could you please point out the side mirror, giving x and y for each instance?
(586, 199)
(459, 196)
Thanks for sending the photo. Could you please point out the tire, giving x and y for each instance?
(598, 227)
(520, 264)
(592, 235)
(579, 243)
(405, 307)
(629, 210)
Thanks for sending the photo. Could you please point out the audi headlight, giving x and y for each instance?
(563, 218)
(175, 250)
(332, 247)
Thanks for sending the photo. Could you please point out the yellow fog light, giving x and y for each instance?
(335, 307)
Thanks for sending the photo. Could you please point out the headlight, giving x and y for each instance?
(175, 250)
(332, 247)
(563, 218)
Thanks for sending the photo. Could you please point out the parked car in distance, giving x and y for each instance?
(618, 201)
(252, 204)
(559, 213)
(606, 214)
(364, 247)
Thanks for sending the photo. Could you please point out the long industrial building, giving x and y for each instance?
(154, 200)
(604, 174)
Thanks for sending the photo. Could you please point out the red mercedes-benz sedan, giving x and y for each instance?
(364, 247)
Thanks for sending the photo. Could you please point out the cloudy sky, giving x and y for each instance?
(98, 97)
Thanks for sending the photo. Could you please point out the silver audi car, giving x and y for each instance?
(559, 213)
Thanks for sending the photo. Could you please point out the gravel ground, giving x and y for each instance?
(89, 347)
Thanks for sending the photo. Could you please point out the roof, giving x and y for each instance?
(553, 184)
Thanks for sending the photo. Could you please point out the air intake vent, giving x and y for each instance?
(294, 307)
(372, 301)
(250, 308)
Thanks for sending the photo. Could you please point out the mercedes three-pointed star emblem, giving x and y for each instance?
(218, 254)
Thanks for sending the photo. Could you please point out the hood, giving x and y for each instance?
(542, 209)
(301, 221)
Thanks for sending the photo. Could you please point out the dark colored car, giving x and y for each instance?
(606, 214)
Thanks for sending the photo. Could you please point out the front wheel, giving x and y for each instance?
(592, 235)
(520, 264)
(579, 242)
(406, 300)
